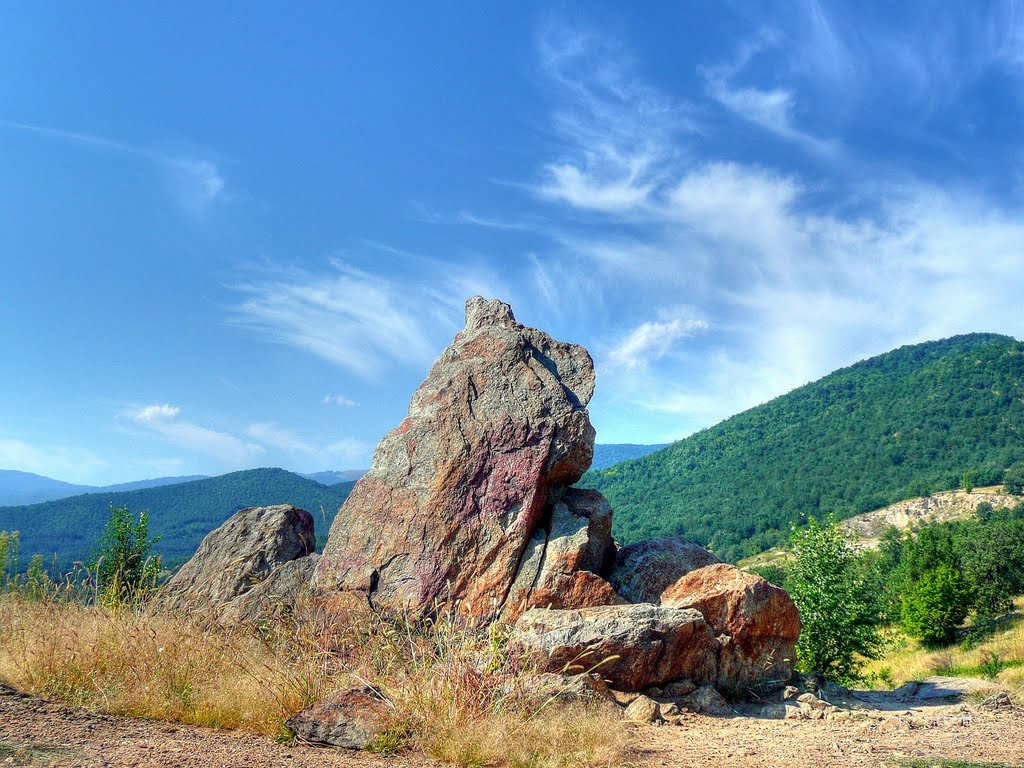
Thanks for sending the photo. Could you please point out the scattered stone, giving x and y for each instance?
(457, 491)
(238, 555)
(794, 713)
(790, 692)
(772, 712)
(647, 568)
(707, 701)
(350, 718)
(757, 622)
(812, 702)
(668, 709)
(998, 702)
(631, 646)
(643, 710)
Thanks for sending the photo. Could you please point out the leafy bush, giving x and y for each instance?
(840, 618)
(936, 605)
(125, 567)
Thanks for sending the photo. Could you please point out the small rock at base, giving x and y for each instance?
(790, 692)
(643, 710)
(707, 701)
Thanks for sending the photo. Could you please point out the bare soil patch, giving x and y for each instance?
(46, 733)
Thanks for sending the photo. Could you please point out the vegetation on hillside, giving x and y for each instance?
(180, 515)
(903, 424)
(944, 584)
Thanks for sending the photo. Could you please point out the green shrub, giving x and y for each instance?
(123, 563)
(840, 616)
(936, 605)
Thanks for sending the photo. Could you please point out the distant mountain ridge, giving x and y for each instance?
(889, 428)
(27, 488)
(181, 513)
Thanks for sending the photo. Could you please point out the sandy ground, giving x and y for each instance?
(46, 733)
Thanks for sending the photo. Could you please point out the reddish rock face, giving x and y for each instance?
(631, 646)
(646, 569)
(757, 622)
(458, 489)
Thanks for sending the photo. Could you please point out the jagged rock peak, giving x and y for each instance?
(481, 313)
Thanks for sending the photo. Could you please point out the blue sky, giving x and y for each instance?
(236, 235)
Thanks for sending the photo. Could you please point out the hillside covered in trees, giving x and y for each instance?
(903, 424)
(181, 514)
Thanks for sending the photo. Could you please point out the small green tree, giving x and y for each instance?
(936, 605)
(967, 482)
(1013, 480)
(839, 615)
(124, 564)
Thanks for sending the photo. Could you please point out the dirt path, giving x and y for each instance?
(46, 733)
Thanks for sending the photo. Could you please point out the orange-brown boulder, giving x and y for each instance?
(756, 622)
(631, 646)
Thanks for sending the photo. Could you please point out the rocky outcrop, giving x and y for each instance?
(239, 555)
(458, 490)
(757, 623)
(633, 647)
(646, 569)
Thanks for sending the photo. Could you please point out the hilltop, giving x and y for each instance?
(893, 427)
(181, 513)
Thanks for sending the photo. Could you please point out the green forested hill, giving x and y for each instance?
(182, 513)
(889, 428)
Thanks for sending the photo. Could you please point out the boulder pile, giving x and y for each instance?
(469, 506)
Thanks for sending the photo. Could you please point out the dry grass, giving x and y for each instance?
(453, 692)
(999, 657)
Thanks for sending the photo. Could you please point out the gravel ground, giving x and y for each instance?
(48, 733)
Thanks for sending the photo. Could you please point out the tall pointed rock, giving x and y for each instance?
(459, 487)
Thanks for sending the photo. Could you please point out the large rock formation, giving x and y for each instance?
(239, 555)
(631, 646)
(458, 490)
(756, 622)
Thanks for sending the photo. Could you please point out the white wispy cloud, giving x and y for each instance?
(618, 129)
(194, 182)
(270, 434)
(151, 413)
(356, 320)
(340, 453)
(366, 321)
(162, 419)
(338, 399)
(770, 108)
(652, 340)
(790, 287)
